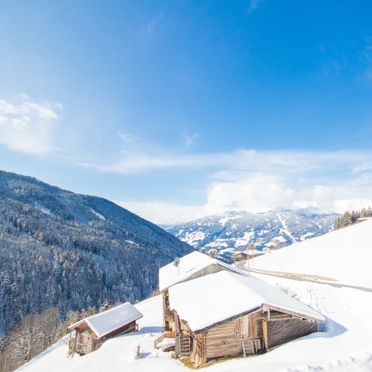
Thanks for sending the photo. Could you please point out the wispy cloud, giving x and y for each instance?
(258, 181)
(253, 4)
(189, 139)
(28, 126)
(235, 162)
(127, 137)
(150, 28)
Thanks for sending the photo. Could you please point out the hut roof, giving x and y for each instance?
(110, 320)
(216, 298)
(187, 267)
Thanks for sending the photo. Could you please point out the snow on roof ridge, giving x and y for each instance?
(188, 265)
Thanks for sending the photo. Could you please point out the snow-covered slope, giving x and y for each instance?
(271, 229)
(344, 255)
(345, 345)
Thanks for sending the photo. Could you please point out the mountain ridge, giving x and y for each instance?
(272, 229)
(73, 251)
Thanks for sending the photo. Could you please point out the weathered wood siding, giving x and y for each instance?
(198, 351)
(226, 339)
(281, 331)
(85, 342)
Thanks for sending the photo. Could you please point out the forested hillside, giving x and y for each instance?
(72, 251)
(349, 218)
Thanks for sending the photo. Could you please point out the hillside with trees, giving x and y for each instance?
(70, 252)
(349, 218)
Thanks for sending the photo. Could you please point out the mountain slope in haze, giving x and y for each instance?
(58, 248)
(271, 229)
(343, 255)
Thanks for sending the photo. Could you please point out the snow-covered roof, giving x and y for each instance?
(187, 267)
(110, 320)
(214, 298)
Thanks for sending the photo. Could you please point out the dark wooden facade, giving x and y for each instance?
(256, 331)
(83, 340)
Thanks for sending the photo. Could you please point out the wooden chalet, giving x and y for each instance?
(229, 314)
(90, 333)
(244, 255)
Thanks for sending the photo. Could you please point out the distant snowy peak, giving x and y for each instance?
(236, 229)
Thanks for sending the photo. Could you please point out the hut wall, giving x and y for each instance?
(226, 340)
(198, 352)
(281, 331)
(85, 342)
(130, 327)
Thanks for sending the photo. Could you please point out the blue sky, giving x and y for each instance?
(178, 109)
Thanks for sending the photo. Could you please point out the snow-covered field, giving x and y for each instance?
(344, 346)
(344, 255)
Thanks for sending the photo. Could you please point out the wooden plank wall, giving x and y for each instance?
(226, 339)
(281, 331)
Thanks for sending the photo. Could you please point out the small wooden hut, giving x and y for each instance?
(242, 256)
(227, 314)
(90, 333)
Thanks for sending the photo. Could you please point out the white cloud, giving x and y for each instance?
(134, 162)
(255, 180)
(28, 126)
(234, 164)
(259, 181)
(256, 193)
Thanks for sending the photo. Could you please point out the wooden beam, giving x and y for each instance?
(265, 335)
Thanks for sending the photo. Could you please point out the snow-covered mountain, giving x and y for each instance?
(58, 248)
(273, 229)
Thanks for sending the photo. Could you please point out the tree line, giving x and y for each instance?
(351, 217)
(34, 334)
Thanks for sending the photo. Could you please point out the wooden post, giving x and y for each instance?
(248, 257)
(265, 335)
